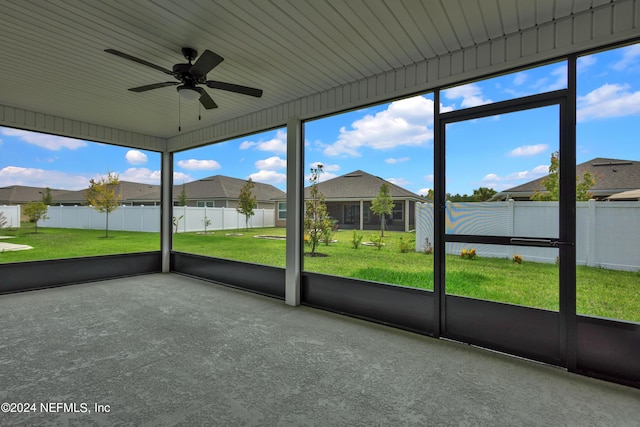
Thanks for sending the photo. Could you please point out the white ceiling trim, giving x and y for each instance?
(589, 29)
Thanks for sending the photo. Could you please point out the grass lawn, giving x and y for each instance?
(606, 293)
(52, 243)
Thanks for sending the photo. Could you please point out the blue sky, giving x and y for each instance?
(392, 140)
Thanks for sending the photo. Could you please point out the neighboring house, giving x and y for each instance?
(348, 199)
(612, 176)
(221, 191)
(131, 194)
(215, 191)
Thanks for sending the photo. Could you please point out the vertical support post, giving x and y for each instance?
(166, 210)
(439, 206)
(361, 215)
(295, 200)
(567, 222)
(406, 215)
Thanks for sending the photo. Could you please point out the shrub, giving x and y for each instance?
(406, 245)
(356, 239)
(427, 248)
(377, 240)
(3, 220)
(468, 254)
(517, 259)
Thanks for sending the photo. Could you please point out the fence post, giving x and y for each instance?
(591, 233)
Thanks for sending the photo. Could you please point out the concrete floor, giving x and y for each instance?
(165, 349)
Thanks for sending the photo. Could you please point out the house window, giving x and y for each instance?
(282, 210)
(396, 213)
(205, 204)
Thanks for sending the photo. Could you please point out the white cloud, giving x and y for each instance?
(408, 122)
(268, 177)
(34, 177)
(194, 164)
(520, 78)
(50, 142)
(528, 150)
(272, 163)
(393, 161)
(324, 176)
(586, 61)
(325, 167)
(179, 177)
(423, 191)
(609, 100)
(398, 181)
(630, 54)
(247, 144)
(471, 95)
(429, 178)
(275, 145)
(142, 175)
(136, 157)
(499, 183)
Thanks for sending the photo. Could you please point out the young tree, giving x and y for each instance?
(551, 183)
(382, 205)
(247, 202)
(35, 211)
(47, 198)
(316, 218)
(182, 197)
(102, 196)
(3, 220)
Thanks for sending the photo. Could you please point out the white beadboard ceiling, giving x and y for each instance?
(53, 60)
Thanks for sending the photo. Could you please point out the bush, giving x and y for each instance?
(517, 259)
(406, 245)
(356, 239)
(377, 240)
(468, 254)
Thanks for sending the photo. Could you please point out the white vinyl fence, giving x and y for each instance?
(608, 233)
(12, 215)
(147, 218)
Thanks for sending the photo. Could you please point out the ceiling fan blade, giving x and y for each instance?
(205, 63)
(138, 60)
(206, 100)
(235, 88)
(152, 86)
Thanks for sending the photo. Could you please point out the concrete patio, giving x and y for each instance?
(165, 349)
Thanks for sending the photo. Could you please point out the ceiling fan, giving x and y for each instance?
(190, 75)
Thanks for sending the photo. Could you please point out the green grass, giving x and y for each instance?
(53, 243)
(606, 293)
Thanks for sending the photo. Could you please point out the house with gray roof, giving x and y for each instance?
(221, 191)
(348, 199)
(612, 176)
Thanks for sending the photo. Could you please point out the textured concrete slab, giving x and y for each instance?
(164, 350)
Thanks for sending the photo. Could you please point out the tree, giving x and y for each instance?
(47, 198)
(551, 183)
(102, 196)
(3, 220)
(483, 194)
(382, 205)
(182, 197)
(35, 211)
(316, 218)
(247, 202)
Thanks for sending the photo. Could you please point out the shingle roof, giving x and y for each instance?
(18, 194)
(358, 185)
(129, 191)
(225, 187)
(612, 176)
